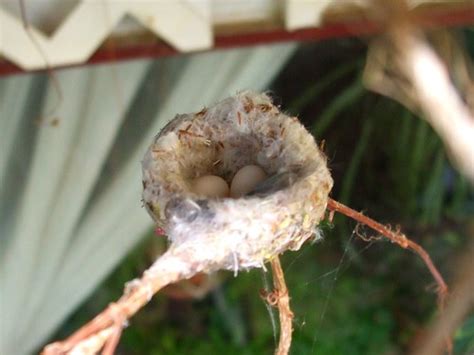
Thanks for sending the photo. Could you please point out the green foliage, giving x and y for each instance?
(464, 338)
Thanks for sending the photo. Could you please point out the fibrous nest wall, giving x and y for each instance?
(234, 233)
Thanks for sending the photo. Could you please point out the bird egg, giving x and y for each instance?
(246, 179)
(210, 186)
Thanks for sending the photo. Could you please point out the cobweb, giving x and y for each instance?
(332, 277)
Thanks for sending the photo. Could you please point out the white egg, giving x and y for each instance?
(210, 186)
(246, 179)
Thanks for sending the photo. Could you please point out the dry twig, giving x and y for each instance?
(283, 302)
(405, 243)
(398, 238)
(106, 327)
(459, 304)
(403, 66)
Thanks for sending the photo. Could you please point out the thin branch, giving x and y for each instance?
(404, 242)
(283, 302)
(169, 268)
(398, 238)
(443, 108)
(459, 304)
(403, 66)
(89, 345)
(113, 340)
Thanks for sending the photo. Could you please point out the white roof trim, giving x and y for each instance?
(182, 24)
(187, 25)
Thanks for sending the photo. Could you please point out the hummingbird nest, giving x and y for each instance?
(278, 212)
(236, 233)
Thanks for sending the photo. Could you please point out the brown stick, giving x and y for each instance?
(459, 304)
(402, 65)
(402, 241)
(169, 268)
(283, 301)
(113, 340)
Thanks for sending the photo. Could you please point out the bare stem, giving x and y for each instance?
(106, 327)
(460, 303)
(404, 242)
(403, 65)
(443, 108)
(283, 302)
(398, 238)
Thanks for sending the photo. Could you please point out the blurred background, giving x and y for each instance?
(73, 232)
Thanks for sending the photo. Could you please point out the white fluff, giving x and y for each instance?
(236, 233)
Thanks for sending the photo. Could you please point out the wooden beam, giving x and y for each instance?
(111, 51)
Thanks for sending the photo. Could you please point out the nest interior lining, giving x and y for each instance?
(220, 142)
(236, 233)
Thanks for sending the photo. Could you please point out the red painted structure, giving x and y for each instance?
(449, 18)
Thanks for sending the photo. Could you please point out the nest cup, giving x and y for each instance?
(226, 233)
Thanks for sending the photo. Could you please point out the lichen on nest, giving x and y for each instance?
(227, 233)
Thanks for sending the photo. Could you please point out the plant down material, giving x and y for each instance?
(242, 233)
